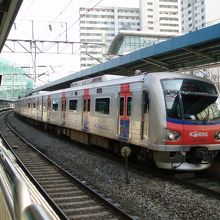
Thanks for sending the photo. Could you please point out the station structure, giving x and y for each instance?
(197, 49)
(8, 12)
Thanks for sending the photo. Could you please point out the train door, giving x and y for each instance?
(48, 107)
(145, 117)
(86, 110)
(124, 112)
(63, 108)
(38, 108)
(42, 107)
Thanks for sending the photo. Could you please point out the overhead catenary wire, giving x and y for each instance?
(51, 44)
(60, 13)
(90, 9)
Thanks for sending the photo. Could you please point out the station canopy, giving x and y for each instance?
(8, 12)
(195, 49)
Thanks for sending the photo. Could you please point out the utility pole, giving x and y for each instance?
(33, 53)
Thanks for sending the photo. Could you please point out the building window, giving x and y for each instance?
(102, 105)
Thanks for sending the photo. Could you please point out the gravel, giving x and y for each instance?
(146, 197)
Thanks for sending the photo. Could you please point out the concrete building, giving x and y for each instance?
(99, 26)
(196, 14)
(159, 16)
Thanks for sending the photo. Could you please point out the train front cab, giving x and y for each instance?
(192, 134)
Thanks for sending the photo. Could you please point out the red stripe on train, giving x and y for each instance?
(194, 134)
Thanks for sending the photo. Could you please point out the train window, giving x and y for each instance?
(121, 106)
(188, 85)
(146, 102)
(44, 106)
(197, 107)
(38, 105)
(173, 105)
(129, 101)
(88, 105)
(49, 104)
(73, 105)
(84, 105)
(64, 105)
(102, 105)
(29, 105)
(55, 105)
(34, 105)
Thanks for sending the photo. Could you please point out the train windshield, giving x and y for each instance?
(188, 85)
(193, 101)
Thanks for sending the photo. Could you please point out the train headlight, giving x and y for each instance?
(217, 136)
(173, 135)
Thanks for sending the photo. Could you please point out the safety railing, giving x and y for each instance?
(15, 199)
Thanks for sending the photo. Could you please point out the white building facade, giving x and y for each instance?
(159, 16)
(196, 14)
(99, 26)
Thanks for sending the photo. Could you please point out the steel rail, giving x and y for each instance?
(107, 203)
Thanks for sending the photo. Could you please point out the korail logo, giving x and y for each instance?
(198, 134)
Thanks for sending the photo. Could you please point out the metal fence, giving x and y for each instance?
(15, 199)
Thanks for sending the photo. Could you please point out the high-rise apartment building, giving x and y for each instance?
(196, 14)
(99, 26)
(161, 16)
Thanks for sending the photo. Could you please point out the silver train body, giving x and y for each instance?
(174, 118)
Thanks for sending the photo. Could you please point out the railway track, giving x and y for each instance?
(69, 197)
(209, 185)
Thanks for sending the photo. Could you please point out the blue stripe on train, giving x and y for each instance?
(189, 122)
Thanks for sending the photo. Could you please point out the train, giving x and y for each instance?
(166, 118)
(5, 104)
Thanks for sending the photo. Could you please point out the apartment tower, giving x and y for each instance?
(160, 16)
(196, 14)
(99, 26)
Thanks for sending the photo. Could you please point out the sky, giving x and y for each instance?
(60, 14)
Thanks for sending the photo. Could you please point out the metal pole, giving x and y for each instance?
(66, 33)
(125, 152)
(126, 170)
(34, 53)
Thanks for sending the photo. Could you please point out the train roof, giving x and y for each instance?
(108, 80)
(120, 80)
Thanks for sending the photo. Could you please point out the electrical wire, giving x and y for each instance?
(25, 13)
(90, 9)
(27, 10)
(53, 21)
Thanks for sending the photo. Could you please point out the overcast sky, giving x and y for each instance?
(59, 13)
(64, 9)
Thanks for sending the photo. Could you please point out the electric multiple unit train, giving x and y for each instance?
(172, 119)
